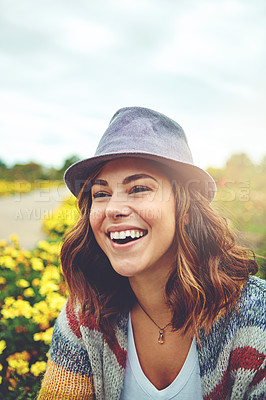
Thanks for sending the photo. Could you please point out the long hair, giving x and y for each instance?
(210, 268)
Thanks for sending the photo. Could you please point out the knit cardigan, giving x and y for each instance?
(85, 364)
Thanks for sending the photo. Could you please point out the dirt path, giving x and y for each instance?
(23, 215)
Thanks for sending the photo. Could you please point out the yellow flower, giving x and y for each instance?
(43, 314)
(23, 355)
(14, 239)
(42, 306)
(17, 308)
(29, 292)
(14, 252)
(2, 347)
(45, 336)
(22, 283)
(38, 368)
(27, 253)
(36, 282)
(43, 244)
(44, 255)
(55, 301)
(1, 367)
(37, 264)
(18, 362)
(51, 273)
(8, 262)
(20, 259)
(37, 336)
(48, 287)
(1, 379)
(42, 321)
(9, 301)
(9, 314)
(2, 280)
(20, 366)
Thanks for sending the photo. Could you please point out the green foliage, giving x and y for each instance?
(69, 161)
(241, 198)
(33, 171)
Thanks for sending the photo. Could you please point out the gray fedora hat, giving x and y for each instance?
(143, 133)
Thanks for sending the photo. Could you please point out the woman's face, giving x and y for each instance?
(133, 216)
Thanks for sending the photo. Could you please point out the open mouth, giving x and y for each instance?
(124, 237)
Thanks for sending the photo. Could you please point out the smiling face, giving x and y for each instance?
(133, 216)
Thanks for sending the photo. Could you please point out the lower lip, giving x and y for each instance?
(126, 246)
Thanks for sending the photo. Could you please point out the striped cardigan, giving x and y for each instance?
(84, 364)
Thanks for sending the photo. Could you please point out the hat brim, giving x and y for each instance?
(77, 174)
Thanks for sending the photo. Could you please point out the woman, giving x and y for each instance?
(162, 304)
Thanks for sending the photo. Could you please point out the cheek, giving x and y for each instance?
(96, 217)
(168, 223)
(150, 211)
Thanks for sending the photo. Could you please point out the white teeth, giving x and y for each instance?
(124, 234)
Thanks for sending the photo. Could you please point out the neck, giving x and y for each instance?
(150, 294)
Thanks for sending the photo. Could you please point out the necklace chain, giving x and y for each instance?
(161, 330)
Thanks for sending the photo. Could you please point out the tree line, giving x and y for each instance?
(33, 171)
(237, 168)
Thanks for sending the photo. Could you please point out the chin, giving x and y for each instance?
(126, 271)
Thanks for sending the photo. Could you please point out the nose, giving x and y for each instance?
(117, 208)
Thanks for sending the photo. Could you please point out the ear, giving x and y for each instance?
(187, 219)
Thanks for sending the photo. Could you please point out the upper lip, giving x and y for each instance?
(119, 228)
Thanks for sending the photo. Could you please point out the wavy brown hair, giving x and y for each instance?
(209, 273)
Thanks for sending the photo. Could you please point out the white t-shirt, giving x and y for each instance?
(136, 386)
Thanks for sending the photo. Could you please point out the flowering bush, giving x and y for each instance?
(32, 293)
(62, 218)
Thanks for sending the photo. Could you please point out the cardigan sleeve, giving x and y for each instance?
(252, 357)
(248, 353)
(69, 374)
(233, 355)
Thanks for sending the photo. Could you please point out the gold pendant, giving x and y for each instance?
(161, 338)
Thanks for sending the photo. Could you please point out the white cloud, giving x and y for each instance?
(32, 130)
(133, 5)
(85, 36)
(218, 42)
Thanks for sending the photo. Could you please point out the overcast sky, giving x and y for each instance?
(67, 66)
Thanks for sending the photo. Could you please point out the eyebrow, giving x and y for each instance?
(128, 179)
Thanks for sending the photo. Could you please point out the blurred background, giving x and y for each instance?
(65, 68)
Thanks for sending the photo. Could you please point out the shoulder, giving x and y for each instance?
(252, 302)
(255, 287)
(67, 328)
(248, 323)
(233, 352)
(245, 324)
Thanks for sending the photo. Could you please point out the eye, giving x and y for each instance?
(139, 189)
(100, 195)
